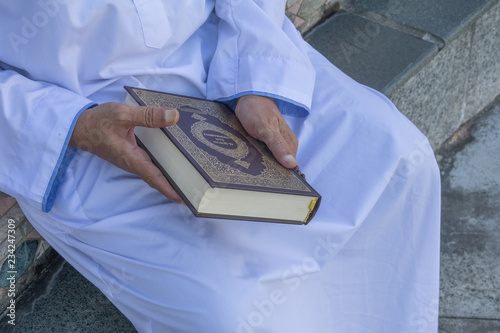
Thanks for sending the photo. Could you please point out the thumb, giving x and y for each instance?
(154, 117)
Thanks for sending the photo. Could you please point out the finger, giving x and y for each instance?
(145, 169)
(291, 139)
(160, 183)
(154, 117)
(154, 178)
(279, 148)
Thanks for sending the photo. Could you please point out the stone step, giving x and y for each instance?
(437, 60)
(62, 300)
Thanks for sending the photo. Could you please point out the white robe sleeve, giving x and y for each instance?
(260, 52)
(36, 122)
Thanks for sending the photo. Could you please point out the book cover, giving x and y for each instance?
(211, 137)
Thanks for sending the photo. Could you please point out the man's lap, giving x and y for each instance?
(362, 156)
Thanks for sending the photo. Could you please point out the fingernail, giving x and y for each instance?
(289, 159)
(171, 115)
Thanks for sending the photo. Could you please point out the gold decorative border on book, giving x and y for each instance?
(274, 176)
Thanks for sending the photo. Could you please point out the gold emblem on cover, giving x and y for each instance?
(223, 142)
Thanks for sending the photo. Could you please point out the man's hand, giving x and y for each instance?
(108, 132)
(261, 118)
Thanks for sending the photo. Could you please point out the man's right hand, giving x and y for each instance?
(107, 131)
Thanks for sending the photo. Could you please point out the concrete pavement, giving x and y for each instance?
(470, 228)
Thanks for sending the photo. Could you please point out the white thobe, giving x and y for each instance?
(368, 262)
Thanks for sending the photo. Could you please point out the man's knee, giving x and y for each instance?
(416, 159)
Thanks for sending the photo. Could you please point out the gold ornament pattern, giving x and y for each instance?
(273, 177)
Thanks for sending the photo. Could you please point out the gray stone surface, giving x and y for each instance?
(438, 91)
(24, 255)
(67, 302)
(371, 53)
(434, 99)
(470, 229)
(463, 325)
(6, 203)
(442, 18)
(483, 82)
(457, 83)
(305, 14)
(309, 7)
(15, 214)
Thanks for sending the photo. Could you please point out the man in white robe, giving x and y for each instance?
(368, 262)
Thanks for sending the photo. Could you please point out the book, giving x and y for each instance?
(217, 168)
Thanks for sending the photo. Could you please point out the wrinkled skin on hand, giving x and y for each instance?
(261, 118)
(108, 132)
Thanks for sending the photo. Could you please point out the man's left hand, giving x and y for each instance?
(261, 118)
